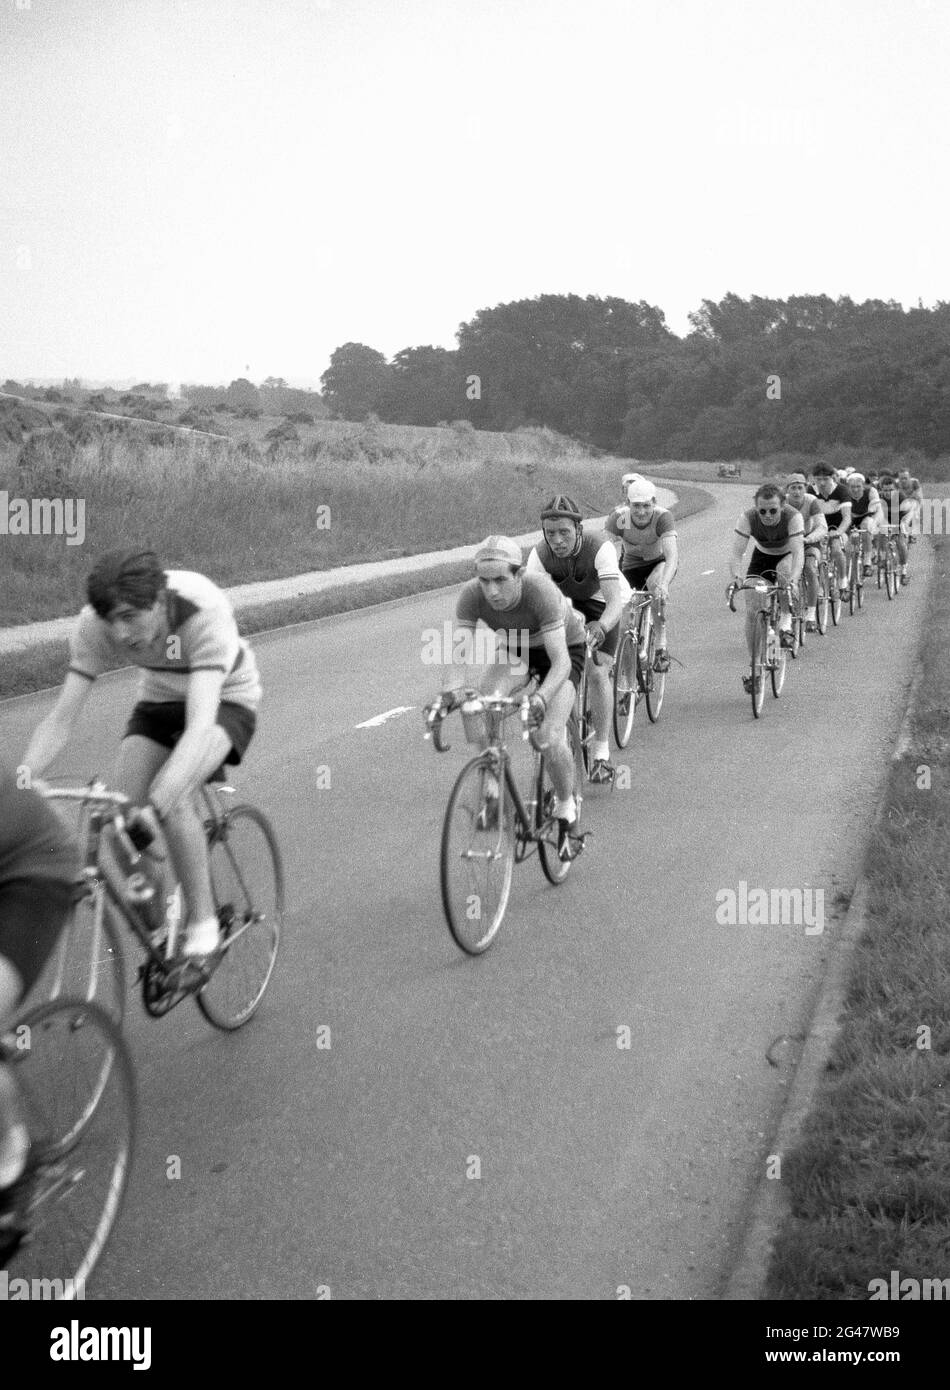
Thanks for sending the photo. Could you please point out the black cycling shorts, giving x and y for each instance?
(636, 575)
(33, 912)
(592, 610)
(163, 721)
(764, 565)
(539, 663)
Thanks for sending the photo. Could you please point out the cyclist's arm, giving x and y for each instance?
(614, 588)
(52, 735)
(816, 526)
(740, 544)
(670, 559)
(845, 525)
(796, 548)
(877, 512)
(182, 770)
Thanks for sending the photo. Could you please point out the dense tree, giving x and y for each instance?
(356, 382)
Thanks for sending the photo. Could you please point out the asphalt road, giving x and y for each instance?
(601, 1167)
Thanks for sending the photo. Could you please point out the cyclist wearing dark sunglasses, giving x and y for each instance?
(777, 533)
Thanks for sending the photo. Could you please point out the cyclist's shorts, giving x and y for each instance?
(33, 912)
(592, 610)
(163, 721)
(539, 663)
(764, 565)
(636, 575)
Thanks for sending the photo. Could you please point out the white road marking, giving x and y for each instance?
(378, 719)
(705, 572)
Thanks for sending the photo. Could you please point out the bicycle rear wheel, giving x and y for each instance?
(625, 688)
(556, 869)
(654, 682)
(834, 593)
(67, 1202)
(759, 660)
(779, 671)
(891, 578)
(477, 856)
(247, 880)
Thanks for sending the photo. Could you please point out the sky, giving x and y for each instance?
(195, 190)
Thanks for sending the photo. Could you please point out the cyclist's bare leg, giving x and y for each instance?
(840, 555)
(659, 607)
(14, 1141)
(502, 679)
(140, 760)
(753, 602)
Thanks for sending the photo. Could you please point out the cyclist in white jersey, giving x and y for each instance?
(649, 553)
(196, 710)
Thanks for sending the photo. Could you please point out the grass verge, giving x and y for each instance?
(43, 666)
(869, 1183)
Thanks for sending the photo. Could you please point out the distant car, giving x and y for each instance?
(729, 470)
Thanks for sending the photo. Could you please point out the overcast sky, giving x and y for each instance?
(200, 189)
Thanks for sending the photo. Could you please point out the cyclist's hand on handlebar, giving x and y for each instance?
(537, 710)
(596, 635)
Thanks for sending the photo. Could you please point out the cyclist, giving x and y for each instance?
(196, 709)
(777, 532)
(867, 517)
(649, 553)
(39, 866)
(901, 510)
(835, 501)
(816, 529)
(910, 490)
(520, 607)
(584, 567)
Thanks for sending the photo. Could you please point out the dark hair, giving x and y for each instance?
(769, 490)
(823, 470)
(125, 576)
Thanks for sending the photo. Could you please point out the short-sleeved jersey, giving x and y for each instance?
(579, 575)
(34, 843)
(809, 509)
(897, 505)
(542, 608)
(641, 543)
(199, 634)
(831, 505)
(774, 539)
(864, 505)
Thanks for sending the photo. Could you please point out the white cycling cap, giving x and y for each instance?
(641, 491)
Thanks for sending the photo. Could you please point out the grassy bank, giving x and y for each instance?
(341, 495)
(870, 1182)
(43, 666)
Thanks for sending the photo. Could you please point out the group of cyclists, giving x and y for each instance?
(200, 690)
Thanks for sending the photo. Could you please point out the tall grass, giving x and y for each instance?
(344, 493)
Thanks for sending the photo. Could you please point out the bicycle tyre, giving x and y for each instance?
(466, 803)
(835, 598)
(760, 642)
(585, 721)
(88, 961)
(891, 579)
(824, 605)
(78, 1163)
(626, 689)
(655, 682)
(779, 672)
(251, 920)
(556, 869)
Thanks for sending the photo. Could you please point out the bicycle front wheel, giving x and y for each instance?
(477, 856)
(67, 1202)
(556, 869)
(821, 612)
(890, 575)
(654, 681)
(585, 719)
(835, 595)
(760, 643)
(625, 689)
(247, 880)
(88, 960)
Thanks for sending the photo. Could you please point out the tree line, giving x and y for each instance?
(753, 377)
